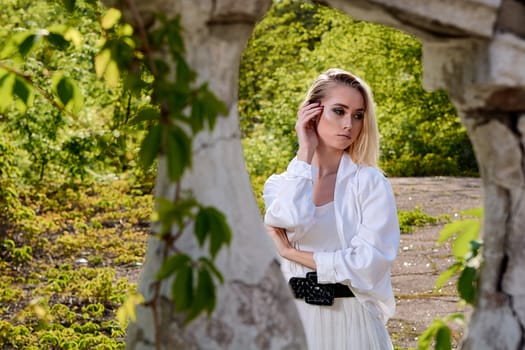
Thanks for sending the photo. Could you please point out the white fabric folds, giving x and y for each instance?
(366, 225)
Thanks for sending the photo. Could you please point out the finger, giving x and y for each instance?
(310, 107)
(310, 111)
(308, 118)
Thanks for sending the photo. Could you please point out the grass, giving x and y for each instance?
(411, 219)
(64, 266)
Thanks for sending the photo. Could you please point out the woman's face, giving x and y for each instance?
(342, 118)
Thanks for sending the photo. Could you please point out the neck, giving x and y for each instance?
(327, 160)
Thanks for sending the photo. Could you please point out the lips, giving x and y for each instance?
(345, 135)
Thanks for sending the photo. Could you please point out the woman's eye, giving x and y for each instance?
(359, 116)
(339, 111)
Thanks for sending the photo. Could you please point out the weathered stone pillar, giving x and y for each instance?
(499, 317)
(485, 78)
(475, 50)
(254, 306)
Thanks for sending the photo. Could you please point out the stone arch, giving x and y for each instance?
(474, 49)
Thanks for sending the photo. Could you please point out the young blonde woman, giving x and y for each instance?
(333, 219)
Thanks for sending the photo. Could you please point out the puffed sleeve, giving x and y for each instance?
(367, 261)
(288, 199)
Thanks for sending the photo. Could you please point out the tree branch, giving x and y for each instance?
(28, 79)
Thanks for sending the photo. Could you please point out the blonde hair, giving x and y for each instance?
(365, 149)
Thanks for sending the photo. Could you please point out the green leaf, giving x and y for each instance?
(196, 119)
(184, 74)
(202, 226)
(443, 338)
(69, 5)
(64, 90)
(182, 288)
(173, 34)
(57, 40)
(212, 268)
(101, 61)
(476, 212)
(27, 44)
(447, 274)
(425, 340)
(134, 84)
(467, 285)
(204, 298)
(125, 30)
(166, 210)
(122, 52)
(111, 18)
(7, 81)
(456, 317)
(220, 230)
(183, 211)
(178, 153)
(461, 245)
(454, 228)
(174, 212)
(210, 106)
(210, 222)
(150, 146)
(72, 35)
(106, 66)
(128, 309)
(146, 113)
(22, 90)
(206, 290)
(172, 264)
(10, 48)
(68, 92)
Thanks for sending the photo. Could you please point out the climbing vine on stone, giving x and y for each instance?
(179, 110)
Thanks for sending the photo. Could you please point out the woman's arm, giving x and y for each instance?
(286, 250)
(288, 198)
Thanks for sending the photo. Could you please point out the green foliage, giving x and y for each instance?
(211, 224)
(294, 42)
(410, 219)
(15, 254)
(63, 121)
(466, 250)
(64, 134)
(61, 297)
(439, 333)
(184, 110)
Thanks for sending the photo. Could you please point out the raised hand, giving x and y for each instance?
(306, 129)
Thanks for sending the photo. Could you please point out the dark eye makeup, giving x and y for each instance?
(341, 112)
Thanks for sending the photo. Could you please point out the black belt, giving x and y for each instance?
(318, 293)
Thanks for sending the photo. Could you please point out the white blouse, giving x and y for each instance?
(366, 221)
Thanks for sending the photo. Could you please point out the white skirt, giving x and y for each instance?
(345, 325)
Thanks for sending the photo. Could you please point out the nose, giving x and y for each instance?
(347, 123)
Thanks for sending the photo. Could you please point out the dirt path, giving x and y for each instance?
(421, 260)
